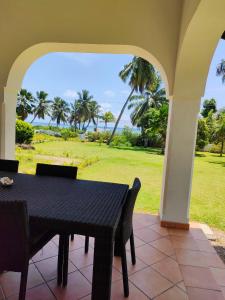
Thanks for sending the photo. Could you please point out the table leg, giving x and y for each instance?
(102, 269)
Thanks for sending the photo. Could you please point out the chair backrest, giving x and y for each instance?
(9, 165)
(14, 235)
(127, 214)
(56, 170)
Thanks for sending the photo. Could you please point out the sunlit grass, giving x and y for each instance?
(100, 162)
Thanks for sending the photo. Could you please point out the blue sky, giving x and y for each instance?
(64, 74)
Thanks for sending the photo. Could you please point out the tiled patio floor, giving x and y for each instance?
(171, 265)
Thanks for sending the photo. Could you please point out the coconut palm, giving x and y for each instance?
(95, 110)
(220, 71)
(154, 97)
(84, 99)
(42, 108)
(108, 117)
(25, 104)
(141, 75)
(74, 114)
(60, 110)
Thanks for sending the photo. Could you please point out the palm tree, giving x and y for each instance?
(74, 116)
(84, 99)
(25, 104)
(60, 110)
(108, 117)
(220, 71)
(141, 75)
(154, 97)
(42, 108)
(220, 131)
(95, 110)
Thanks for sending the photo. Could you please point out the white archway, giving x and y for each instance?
(27, 57)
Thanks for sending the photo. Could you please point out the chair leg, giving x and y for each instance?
(86, 244)
(132, 249)
(60, 259)
(23, 283)
(65, 260)
(124, 271)
(72, 237)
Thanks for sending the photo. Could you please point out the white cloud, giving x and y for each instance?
(105, 106)
(70, 93)
(109, 93)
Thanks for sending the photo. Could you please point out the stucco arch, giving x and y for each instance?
(27, 57)
(198, 41)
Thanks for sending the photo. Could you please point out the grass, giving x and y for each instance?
(100, 162)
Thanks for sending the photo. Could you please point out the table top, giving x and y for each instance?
(80, 206)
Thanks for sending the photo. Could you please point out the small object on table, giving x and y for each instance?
(6, 181)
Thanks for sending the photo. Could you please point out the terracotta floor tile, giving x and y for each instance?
(130, 268)
(48, 268)
(181, 242)
(147, 234)
(77, 287)
(87, 272)
(47, 251)
(198, 233)
(179, 232)
(198, 277)
(191, 258)
(219, 275)
(205, 246)
(201, 294)
(164, 245)
(80, 259)
(169, 269)
(213, 260)
(10, 281)
(161, 230)
(117, 292)
(182, 286)
(137, 242)
(41, 292)
(150, 282)
(173, 294)
(146, 219)
(149, 255)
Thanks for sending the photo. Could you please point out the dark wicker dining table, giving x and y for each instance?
(82, 207)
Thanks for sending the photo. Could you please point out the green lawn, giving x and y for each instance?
(100, 162)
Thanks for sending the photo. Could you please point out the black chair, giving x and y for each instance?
(8, 165)
(57, 171)
(124, 233)
(19, 242)
(68, 172)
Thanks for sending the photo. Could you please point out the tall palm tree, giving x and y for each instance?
(141, 75)
(25, 104)
(108, 117)
(60, 110)
(220, 71)
(74, 114)
(42, 108)
(220, 131)
(154, 97)
(84, 99)
(95, 110)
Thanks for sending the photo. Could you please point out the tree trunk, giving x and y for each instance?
(33, 118)
(119, 117)
(221, 151)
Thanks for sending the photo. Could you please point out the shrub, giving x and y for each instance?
(68, 133)
(24, 132)
(119, 141)
(98, 136)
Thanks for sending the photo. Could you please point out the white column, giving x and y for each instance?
(8, 121)
(178, 166)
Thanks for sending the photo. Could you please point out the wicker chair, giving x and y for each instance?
(124, 233)
(59, 171)
(9, 165)
(18, 241)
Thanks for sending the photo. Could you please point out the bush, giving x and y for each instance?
(98, 136)
(24, 132)
(120, 141)
(68, 133)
